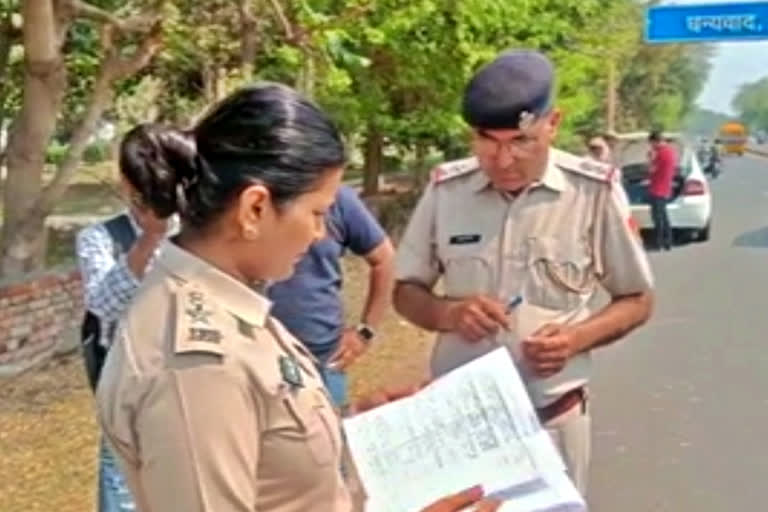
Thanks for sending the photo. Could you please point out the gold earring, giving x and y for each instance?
(250, 233)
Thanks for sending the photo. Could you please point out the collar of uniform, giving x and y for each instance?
(240, 300)
(552, 178)
(479, 181)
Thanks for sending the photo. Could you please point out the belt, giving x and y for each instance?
(562, 405)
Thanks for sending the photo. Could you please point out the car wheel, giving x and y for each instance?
(703, 234)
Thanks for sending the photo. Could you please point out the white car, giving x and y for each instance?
(689, 209)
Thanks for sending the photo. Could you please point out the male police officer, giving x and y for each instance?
(524, 220)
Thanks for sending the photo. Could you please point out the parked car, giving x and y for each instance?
(689, 209)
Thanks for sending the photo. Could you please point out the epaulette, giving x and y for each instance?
(449, 170)
(584, 166)
(198, 322)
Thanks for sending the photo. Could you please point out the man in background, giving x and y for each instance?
(310, 303)
(113, 257)
(598, 149)
(662, 174)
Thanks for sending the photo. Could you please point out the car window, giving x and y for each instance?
(686, 163)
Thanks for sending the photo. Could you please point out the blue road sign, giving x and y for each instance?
(706, 22)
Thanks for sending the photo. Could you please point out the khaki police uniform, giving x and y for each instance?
(212, 406)
(555, 244)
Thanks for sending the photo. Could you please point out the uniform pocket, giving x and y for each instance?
(312, 414)
(468, 274)
(560, 273)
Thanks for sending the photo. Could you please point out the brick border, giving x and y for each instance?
(39, 314)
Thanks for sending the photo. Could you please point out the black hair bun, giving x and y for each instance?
(161, 163)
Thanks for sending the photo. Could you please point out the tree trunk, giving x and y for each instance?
(374, 161)
(44, 86)
(209, 82)
(27, 204)
(114, 67)
(305, 82)
(422, 148)
(611, 97)
(249, 40)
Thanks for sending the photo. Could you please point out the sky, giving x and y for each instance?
(733, 65)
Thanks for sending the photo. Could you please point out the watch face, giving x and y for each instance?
(366, 332)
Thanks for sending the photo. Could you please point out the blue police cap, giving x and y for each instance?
(501, 93)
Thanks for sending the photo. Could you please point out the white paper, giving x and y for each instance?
(475, 425)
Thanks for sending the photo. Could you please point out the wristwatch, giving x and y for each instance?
(366, 332)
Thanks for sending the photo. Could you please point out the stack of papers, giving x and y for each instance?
(473, 426)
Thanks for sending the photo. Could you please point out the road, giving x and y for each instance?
(681, 407)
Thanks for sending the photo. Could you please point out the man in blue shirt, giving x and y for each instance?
(310, 303)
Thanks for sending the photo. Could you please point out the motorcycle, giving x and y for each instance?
(713, 166)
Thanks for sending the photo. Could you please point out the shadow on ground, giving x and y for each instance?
(755, 239)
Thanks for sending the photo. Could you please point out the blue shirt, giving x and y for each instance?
(310, 303)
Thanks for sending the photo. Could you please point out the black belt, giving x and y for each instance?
(562, 405)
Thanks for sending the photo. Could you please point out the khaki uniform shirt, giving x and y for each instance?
(212, 406)
(554, 244)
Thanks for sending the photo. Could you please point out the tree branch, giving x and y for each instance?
(85, 10)
(249, 38)
(283, 19)
(148, 48)
(113, 68)
(132, 24)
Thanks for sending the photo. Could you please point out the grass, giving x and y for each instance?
(48, 437)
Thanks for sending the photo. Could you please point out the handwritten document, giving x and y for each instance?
(474, 425)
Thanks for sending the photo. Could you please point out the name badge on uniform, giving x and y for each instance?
(291, 372)
(464, 239)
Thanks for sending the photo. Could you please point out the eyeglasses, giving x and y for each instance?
(522, 145)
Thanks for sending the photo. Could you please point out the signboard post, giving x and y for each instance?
(742, 21)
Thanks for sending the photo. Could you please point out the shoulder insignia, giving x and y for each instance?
(198, 324)
(450, 170)
(585, 166)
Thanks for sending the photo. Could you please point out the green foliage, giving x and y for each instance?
(705, 122)
(96, 152)
(660, 85)
(751, 103)
(393, 67)
(56, 152)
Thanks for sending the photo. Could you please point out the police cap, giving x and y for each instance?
(515, 87)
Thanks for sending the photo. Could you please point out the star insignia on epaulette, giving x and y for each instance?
(197, 312)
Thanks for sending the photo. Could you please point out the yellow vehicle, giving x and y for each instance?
(733, 138)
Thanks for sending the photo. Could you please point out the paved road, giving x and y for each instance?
(681, 407)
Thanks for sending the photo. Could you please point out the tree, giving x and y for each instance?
(10, 75)
(660, 85)
(127, 43)
(398, 70)
(705, 122)
(751, 102)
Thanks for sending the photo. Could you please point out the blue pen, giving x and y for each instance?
(513, 303)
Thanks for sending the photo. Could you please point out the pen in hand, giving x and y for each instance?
(513, 303)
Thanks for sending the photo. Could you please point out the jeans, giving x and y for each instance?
(114, 495)
(336, 382)
(661, 222)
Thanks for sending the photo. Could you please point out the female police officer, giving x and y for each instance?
(210, 404)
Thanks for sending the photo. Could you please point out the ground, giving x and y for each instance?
(48, 436)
